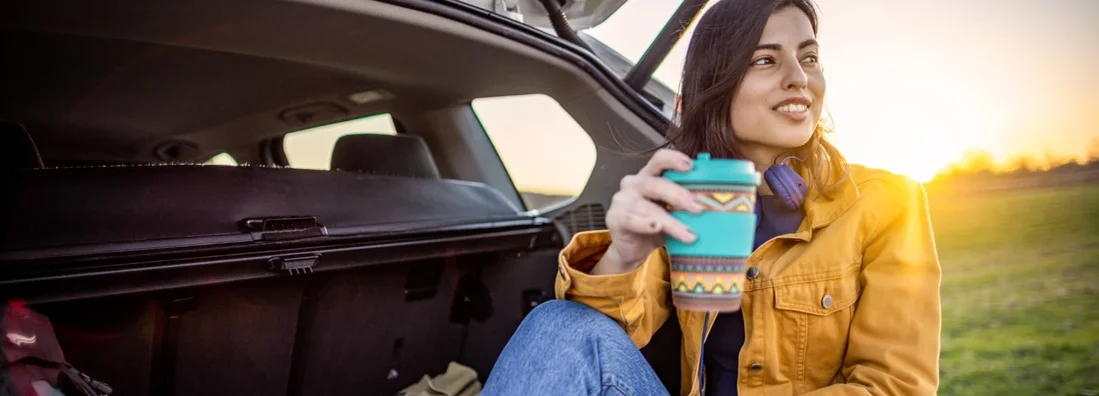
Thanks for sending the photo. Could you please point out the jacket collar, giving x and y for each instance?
(822, 207)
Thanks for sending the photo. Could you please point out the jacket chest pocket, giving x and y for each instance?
(817, 313)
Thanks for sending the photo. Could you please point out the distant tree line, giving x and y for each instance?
(979, 169)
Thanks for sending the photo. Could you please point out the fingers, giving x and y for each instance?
(661, 190)
(637, 207)
(665, 159)
(654, 220)
(641, 216)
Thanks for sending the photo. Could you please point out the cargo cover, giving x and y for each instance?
(68, 212)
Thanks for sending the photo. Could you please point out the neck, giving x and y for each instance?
(763, 157)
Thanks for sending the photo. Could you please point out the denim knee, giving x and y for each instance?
(563, 316)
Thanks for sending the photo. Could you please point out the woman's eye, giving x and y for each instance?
(763, 61)
(810, 59)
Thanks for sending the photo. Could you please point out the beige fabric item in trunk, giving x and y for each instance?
(458, 380)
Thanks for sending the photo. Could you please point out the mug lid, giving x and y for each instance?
(717, 170)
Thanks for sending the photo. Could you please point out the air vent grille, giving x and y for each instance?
(586, 217)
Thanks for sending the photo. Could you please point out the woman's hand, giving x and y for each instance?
(637, 219)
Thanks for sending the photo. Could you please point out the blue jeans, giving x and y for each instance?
(567, 348)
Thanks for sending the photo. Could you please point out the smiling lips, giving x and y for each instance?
(796, 109)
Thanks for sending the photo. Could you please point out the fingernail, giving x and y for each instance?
(687, 165)
(691, 236)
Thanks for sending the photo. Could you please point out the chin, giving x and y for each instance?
(790, 137)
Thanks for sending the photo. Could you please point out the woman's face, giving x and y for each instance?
(781, 97)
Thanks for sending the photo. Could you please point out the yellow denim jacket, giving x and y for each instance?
(847, 305)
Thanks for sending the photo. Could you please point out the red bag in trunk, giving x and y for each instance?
(31, 361)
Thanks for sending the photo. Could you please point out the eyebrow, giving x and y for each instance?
(777, 47)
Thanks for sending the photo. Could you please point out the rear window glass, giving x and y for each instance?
(312, 148)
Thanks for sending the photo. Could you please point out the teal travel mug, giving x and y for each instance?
(708, 275)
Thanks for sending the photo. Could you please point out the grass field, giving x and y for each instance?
(1020, 292)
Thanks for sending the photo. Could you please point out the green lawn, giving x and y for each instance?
(1020, 292)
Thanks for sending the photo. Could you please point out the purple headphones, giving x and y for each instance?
(787, 184)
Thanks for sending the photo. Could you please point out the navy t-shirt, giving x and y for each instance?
(722, 352)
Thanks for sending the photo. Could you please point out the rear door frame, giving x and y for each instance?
(529, 35)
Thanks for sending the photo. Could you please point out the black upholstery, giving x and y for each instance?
(17, 150)
(397, 155)
(194, 205)
(328, 333)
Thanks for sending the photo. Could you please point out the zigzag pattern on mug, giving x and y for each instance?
(706, 283)
(700, 288)
(726, 201)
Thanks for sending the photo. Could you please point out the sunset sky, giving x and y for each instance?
(912, 85)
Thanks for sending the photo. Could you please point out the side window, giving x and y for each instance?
(312, 148)
(547, 154)
(222, 159)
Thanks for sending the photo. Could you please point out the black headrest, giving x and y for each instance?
(398, 155)
(17, 150)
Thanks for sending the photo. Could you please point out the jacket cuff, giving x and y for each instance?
(576, 261)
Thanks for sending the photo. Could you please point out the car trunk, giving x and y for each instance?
(371, 330)
(182, 280)
(158, 283)
(158, 288)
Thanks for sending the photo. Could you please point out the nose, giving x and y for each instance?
(794, 77)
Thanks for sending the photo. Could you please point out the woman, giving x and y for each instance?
(842, 296)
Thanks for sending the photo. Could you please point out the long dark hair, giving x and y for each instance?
(718, 57)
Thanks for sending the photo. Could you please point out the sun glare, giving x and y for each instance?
(915, 134)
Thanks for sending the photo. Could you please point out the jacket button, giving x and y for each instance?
(755, 366)
(753, 272)
(826, 302)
